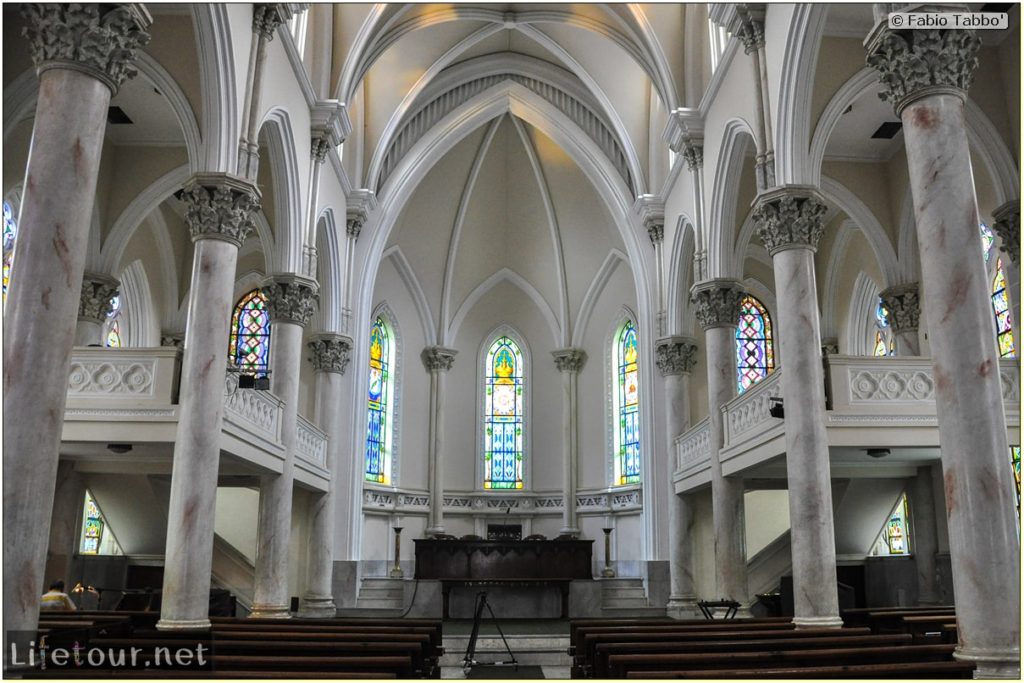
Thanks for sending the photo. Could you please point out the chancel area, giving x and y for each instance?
(688, 333)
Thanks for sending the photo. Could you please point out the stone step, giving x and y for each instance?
(528, 650)
(627, 612)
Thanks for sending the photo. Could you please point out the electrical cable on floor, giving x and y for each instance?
(411, 602)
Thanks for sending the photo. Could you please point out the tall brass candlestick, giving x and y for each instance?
(396, 571)
(608, 572)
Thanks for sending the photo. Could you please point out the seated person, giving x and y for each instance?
(56, 600)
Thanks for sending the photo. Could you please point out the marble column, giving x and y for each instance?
(676, 357)
(789, 220)
(82, 53)
(904, 306)
(219, 211)
(291, 300)
(94, 305)
(717, 309)
(330, 359)
(926, 75)
(1007, 227)
(570, 362)
(438, 361)
(924, 535)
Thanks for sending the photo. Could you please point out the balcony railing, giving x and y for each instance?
(693, 448)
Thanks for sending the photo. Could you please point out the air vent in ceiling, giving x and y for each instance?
(116, 116)
(887, 131)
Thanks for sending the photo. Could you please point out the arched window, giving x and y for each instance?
(755, 357)
(885, 342)
(10, 234)
(114, 323)
(249, 347)
(895, 536)
(1015, 461)
(627, 406)
(1000, 298)
(503, 415)
(380, 401)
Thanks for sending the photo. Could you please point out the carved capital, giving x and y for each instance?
(175, 339)
(916, 63)
(570, 360)
(656, 231)
(694, 155)
(331, 352)
(97, 292)
(99, 40)
(751, 34)
(291, 298)
(1007, 226)
(354, 225)
(266, 17)
(675, 355)
(220, 206)
(790, 217)
(717, 302)
(830, 346)
(438, 358)
(320, 145)
(904, 306)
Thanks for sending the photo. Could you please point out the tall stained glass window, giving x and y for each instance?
(10, 234)
(627, 405)
(895, 536)
(885, 342)
(503, 415)
(755, 357)
(1015, 461)
(114, 323)
(1000, 297)
(92, 527)
(378, 436)
(249, 347)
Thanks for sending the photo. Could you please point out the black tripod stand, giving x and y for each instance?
(468, 662)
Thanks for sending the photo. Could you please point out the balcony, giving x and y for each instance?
(130, 396)
(871, 403)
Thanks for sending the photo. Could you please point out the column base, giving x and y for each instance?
(396, 573)
(815, 622)
(270, 612)
(1000, 664)
(317, 607)
(183, 625)
(434, 531)
(682, 608)
(568, 530)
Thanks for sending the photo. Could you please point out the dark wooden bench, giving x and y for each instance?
(577, 624)
(916, 670)
(925, 629)
(892, 622)
(860, 616)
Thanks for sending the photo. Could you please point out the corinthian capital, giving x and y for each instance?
(330, 352)
(915, 63)
(99, 40)
(266, 17)
(1007, 226)
(96, 302)
(291, 298)
(717, 302)
(790, 217)
(320, 145)
(220, 206)
(438, 358)
(569, 360)
(693, 153)
(675, 355)
(904, 306)
(751, 34)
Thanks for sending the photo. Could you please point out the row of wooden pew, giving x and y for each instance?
(897, 643)
(127, 645)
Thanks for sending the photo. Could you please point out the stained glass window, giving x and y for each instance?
(10, 234)
(249, 347)
(885, 342)
(895, 536)
(987, 240)
(378, 437)
(755, 357)
(503, 415)
(1001, 306)
(627, 435)
(92, 528)
(1015, 461)
(114, 323)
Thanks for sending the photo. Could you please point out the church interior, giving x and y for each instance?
(670, 329)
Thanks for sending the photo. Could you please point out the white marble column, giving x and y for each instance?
(675, 357)
(926, 75)
(717, 309)
(75, 87)
(924, 535)
(330, 359)
(438, 361)
(789, 220)
(94, 306)
(904, 308)
(291, 300)
(219, 213)
(1007, 227)
(569, 363)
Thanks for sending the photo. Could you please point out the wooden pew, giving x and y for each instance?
(927, 629)
(915, 670)
(892, 622)
(576, 624)
(859, 616)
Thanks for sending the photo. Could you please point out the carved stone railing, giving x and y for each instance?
(257, 413)
(311, 444)
(693, 447)
(604, 501)
(746, 416)
(139, 377)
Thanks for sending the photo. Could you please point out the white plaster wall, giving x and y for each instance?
(767, 518)
(235, 518)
